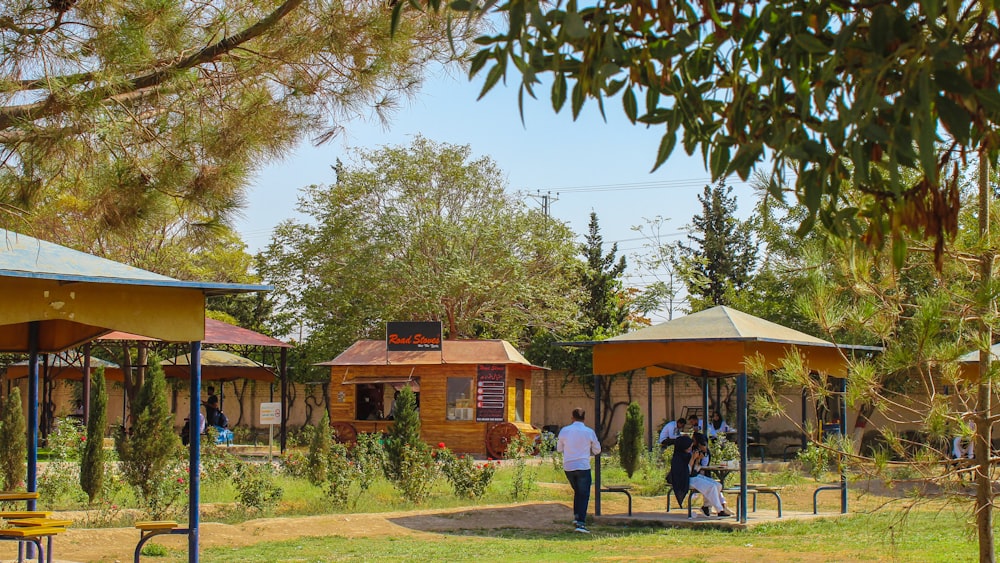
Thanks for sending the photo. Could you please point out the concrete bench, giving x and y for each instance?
(151, 528)
(624, 489)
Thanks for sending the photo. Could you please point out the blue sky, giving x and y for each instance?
(586, 164)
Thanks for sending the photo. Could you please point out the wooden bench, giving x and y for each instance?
(15, 496)
(624, 489)
(8, 514)
(32, 535)
(150, 528)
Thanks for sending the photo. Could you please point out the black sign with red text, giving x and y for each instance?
(491, 392)
(413, 336)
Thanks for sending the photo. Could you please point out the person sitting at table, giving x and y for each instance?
(685, 474)
(717, 425)
(694, 423)
(671, 431)
(961, 447)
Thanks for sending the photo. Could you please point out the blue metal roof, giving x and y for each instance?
(22, 256)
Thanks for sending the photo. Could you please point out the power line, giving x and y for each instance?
(659, 185)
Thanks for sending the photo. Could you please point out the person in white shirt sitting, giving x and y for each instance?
(718, 425)
(671, 431)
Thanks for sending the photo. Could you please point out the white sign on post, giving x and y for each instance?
(270, 414)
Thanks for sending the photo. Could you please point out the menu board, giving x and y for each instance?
(491, 392)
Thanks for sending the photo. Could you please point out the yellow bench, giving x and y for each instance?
(150, 528)
(32, 535)
(14, 496)
(8, 514)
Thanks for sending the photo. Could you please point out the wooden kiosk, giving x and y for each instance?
(473, 395)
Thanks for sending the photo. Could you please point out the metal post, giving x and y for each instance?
(86, 384)
(704, 404)
(805, 418)
(284, 398)
(33, 336)
(741, 423)
(597, 458)
(843, 435)
(649, 413)
(194, 468)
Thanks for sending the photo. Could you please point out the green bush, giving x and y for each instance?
(467, 478)
(404, 433)
(318, 460)
(630, 442)
(151, 451)
(340, 475)
(256, 489)
(523, 480)
(14, 446)
(816, 460)
(368, 456)
(295, 464)
(92, 460)
(417, 473)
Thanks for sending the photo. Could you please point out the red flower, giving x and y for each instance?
(441, 445)
(180, 479)
(83, 438)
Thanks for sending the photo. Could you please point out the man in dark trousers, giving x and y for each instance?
(577, 442)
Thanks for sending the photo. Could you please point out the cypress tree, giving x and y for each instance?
(92, 462)
(14, 445)
(404, 431)
(630, 443)
(318, 460)
(149, 449)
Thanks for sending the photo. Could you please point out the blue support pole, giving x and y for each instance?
(843, 435)
(194, 468)
(649, 413)
(741, 424)
(704, 405)
(32, 422)
(597, 458)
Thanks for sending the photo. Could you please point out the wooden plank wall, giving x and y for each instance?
(466, 436)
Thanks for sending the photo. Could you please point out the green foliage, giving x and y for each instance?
(404, 433)
(722, 450)
(523, 480)
(630, 442)
(13, 447)
(468, 478)
(417, 472)
(60, 479)
(150, 453)
(256, 489)
(340, 476)
(816, 460)
(92, 461)
(151, 549)
(295, 464)
(318, 460)
(719, 260)
(368, 456)
(470, 248)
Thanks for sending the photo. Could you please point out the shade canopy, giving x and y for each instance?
(75, 297)
(61, 368)
(968, 364)
(219, 365)
(715, 342)
(216, 332)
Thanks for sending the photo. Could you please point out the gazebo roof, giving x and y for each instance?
(216, 332)
(219, 365)
(373, 353)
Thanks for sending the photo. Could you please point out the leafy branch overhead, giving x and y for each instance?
(831, 92)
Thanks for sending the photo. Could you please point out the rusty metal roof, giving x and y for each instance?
(216, 332)
(373, 353)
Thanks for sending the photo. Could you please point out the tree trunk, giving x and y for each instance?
(865, 410)
(984, 414)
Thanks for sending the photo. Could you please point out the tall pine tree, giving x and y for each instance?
(720, 256)
(13, 446)
(92, 462)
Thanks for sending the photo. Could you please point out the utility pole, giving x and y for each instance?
(546, 199)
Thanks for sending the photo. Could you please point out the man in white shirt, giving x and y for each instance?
(577, 442)
(671, 431)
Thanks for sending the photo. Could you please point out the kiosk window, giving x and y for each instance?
(460, 399)
(519, 400)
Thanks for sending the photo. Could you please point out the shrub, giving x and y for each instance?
(417, 473)
(467, 478)
(318, 460)
(523, 480)
(92, 461)
(150, 453)
(218, 465)
(295, 464)
(630, 442)
(404, 433)
(816, 460)
(339, 475)
(369, 459)
(722, 450)
(13, 447)
(256, 489)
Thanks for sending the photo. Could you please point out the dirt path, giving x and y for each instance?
(108, 545)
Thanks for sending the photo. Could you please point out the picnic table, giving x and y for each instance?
(720, 472)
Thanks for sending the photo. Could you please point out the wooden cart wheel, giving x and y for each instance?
(497, 438)
(344, 432)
